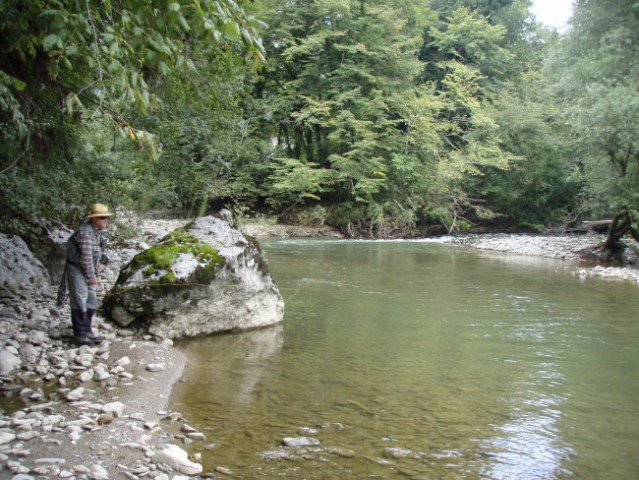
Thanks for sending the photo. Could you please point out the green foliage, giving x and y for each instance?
(537, 188)
(69, 66)
(355, 105)
(471, 39)
(377, 117)
(312, 216)
(102, 54)
(293, 181)
(596, 68)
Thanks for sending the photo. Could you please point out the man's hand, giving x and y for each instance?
(94, 281)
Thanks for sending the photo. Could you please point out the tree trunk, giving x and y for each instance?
(620, 224)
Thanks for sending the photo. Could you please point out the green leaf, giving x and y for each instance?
(50, 42)
(114, 67)
(231, 30)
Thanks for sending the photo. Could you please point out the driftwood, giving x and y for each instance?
(596, 223)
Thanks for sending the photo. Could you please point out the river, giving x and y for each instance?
(423, 361)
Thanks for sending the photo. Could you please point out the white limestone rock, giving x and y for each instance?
(177, 459)
(300, 442)
(19, 269)
(117, 408)
(218, 282)
(8, 362)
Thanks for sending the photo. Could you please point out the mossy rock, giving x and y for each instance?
(163, 256)
(203, 278)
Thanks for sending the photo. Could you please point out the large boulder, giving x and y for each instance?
(19, 269)
(48, 242)
(203, 278)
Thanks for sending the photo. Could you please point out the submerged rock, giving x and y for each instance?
(300, 442)
(203, 278)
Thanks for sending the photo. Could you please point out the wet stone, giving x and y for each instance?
(394, 452)
(300, 442)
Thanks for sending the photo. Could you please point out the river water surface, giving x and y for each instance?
(423, 361)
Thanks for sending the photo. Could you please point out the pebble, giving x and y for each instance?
(37, 337)
(394, 452)
(117, 408)
(50, 461)
(99, 374)
(6, 437)
(224, 471)
(105, 418)
(155, 367)
(122, 362)
(75, 394)
(98, 472)
(24, 436)
(176, 458)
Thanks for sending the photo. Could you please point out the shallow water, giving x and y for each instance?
(420, 360)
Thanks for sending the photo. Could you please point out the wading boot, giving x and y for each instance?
(88, 332)
(78, 321)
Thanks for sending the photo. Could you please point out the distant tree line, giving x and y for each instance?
(382, 118)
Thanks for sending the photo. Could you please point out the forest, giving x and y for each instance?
(382, 118)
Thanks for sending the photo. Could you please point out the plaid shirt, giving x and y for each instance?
(89, 243)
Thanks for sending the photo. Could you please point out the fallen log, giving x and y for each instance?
(596, 223)
(599, 226)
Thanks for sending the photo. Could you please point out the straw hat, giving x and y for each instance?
(99, 210)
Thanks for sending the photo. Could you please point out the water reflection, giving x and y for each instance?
(530, 445)
(248, 354)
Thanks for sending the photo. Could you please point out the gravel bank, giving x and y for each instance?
(88, 413)
(563, 247)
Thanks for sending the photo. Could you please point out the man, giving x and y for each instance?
(84, 251)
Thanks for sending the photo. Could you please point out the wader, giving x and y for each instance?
(82, 295)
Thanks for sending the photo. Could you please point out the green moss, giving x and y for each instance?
(162, 257)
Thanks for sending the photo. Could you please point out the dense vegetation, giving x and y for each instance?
(380, 117)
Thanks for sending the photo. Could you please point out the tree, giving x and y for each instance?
(100, 54)
(345, 90)
(65, 64)
(538, 188)
(332, 89)
(597, 80)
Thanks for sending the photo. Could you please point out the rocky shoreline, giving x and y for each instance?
(85, 412)
(99, 412)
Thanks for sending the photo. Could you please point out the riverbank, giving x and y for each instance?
(90, 412)
(101, 412)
